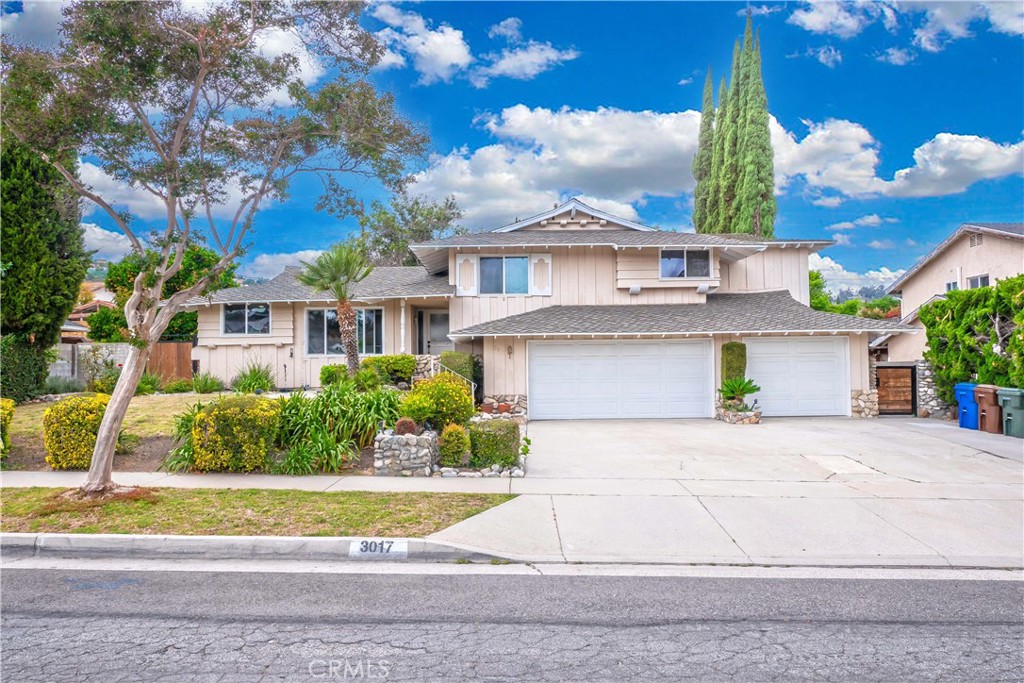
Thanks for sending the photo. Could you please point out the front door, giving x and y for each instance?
(437, 331)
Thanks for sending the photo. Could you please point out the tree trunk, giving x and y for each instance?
(99, 479)
(347, 327)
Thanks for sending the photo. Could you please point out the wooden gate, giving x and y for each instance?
(171, 360)
(896, 390)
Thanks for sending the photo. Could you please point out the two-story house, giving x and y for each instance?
(576, 312)
(975, 255)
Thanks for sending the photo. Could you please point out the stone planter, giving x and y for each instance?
(404, 455)
(735, 417)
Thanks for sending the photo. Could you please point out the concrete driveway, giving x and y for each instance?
(812, 491)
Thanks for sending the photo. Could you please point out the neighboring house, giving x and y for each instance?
(578, 312)
(975, 255)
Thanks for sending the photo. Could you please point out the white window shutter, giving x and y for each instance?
(466, 274)
(540, 274)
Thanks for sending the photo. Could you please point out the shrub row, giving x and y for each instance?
(6, 415)
(24, 368)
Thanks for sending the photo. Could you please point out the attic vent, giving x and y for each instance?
(976, 240)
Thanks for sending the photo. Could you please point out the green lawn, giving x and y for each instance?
(247, 512)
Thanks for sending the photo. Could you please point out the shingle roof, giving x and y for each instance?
(385, 282)
(1007, 230)
(775, 311)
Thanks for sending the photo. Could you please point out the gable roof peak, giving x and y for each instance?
(572, 206)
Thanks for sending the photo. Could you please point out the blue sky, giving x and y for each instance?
(893, 122)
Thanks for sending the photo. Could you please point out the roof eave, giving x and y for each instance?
(463, 335)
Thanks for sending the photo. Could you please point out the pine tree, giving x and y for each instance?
(703, 158)
(756, 206)
(714, 181)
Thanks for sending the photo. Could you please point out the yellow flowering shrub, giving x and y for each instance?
(440, 400)
(235, 434)
(6, 413)
(69, 430)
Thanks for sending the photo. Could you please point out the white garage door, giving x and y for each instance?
(589, 380)
(800, 376)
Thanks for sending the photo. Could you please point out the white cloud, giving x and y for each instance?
(275, 43)
(510, 29)
(520, 63)
(108, 244)
(544, 155)
(872, 220)
(35, 25)
(897, 56)
(760, 10)
(882, 244)
(269, 265)
(841, 19)
(949, 164)
(827, 55)
(437, 54)
(685, 81)
(837, 277)
(120, 195)
(935, 24)
(842, 239)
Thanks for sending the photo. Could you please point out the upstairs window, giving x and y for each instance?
(952, 286)
(504, 274)
(324, 338)
(246, 319)
(977, 281)
(682, 263)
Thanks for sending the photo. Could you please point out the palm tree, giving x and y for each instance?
(335, 271)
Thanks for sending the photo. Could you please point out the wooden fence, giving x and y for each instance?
(171, 360)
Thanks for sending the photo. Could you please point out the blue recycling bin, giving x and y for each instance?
(968, 405)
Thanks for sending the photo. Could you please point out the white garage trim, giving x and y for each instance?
(657, 402)
(813, 377)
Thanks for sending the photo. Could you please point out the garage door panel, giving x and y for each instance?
(800, 376)
(619, 379)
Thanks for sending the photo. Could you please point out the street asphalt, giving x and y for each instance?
(72, 624)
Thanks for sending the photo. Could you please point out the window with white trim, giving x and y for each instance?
(952, 286)
(253, 318)
(977, 281)
(504, 274)
(324, 338)
(685, 263)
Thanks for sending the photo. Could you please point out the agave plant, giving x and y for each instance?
(735, 390)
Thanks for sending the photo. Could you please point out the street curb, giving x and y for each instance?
(139, 546)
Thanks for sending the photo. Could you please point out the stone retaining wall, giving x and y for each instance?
(864, 403)
(750, 417)
(405, 455)
(423, 366)
(928, 402)
(512, 404)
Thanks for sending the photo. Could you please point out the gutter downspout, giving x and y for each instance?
(402, 329)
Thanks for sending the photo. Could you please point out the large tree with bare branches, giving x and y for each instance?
(185, 101)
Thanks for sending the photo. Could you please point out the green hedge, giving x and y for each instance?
(395, 368)
(494, 442)
(235, 434)
(69, 430)
(734, 360)
(24, 368)
(332, 374)
(452, 446)
(459, 362)
(441, 400)
(6, 415)
(977, 335)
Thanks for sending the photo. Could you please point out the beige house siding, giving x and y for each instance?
(285, 348)
(773, 268)
(997, 257)
(642, 268)
(581, 276)
(505, 373)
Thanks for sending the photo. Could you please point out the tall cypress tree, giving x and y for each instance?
(703, 158)
(737, 193)
(730, 163)
(714, 181)
(756, 205)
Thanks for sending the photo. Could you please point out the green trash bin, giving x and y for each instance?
(1012, 403)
